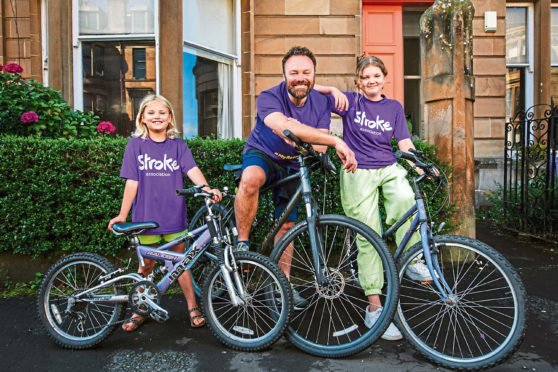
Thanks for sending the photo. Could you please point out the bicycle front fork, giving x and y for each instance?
(431, 257)
(229, 266)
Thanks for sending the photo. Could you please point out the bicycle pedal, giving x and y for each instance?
(159, 316)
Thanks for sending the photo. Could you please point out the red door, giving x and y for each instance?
(382, 29)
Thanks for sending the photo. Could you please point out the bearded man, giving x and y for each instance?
(268, 156)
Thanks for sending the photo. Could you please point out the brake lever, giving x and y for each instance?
(327, 163)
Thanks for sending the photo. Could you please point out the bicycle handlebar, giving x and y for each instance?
(196, 191)
(323, 158)
(416, 157)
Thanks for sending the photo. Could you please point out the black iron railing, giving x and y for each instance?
(530, 189)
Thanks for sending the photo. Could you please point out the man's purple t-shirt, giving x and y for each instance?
(314, 113)
(158, 168)
(368, 127)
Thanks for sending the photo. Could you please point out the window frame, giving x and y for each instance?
(233, 60)
(528, 90)
(552, 6)
(78, 39)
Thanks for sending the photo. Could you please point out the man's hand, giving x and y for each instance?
(346, 155)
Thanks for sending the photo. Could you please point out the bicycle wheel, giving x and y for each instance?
(78, 323)
(484, 321)
(261, 320)
(228, 229)
(332, 322)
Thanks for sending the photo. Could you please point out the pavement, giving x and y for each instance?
(174, 346)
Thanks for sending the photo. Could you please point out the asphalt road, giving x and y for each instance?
(174, 346)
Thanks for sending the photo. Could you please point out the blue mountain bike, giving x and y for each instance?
(471, 313)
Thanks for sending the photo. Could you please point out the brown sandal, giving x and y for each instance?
(136, 321)
(193, 318)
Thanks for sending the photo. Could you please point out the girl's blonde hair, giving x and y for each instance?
(141, 128)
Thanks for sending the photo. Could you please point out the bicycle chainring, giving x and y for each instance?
(139, 295)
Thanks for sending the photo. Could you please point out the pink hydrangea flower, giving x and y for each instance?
(1, 67)
(13, 68)
(106, 127)
(29, 117)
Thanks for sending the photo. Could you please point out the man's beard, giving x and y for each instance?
(300, 95)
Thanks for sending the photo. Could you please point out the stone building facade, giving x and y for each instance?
(252, 37)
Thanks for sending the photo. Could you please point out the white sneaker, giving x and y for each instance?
(391, 334)
(418, 272)
(299, 302)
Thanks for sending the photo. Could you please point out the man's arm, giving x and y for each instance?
(279, 122)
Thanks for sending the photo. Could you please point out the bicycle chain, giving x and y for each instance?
(120, 321)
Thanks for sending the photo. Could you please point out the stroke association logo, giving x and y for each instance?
(372, 124)
(148, 163)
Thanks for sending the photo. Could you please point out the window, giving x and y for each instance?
(112, 17)
(123, 73)
(519, 57)
(210, 72)
(411, 68)
(116, 44)
(139, 63)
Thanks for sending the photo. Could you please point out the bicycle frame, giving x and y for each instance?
(426, 236)
(304, 193)
(176, 263)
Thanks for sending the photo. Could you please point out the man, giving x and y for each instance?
(268, 156)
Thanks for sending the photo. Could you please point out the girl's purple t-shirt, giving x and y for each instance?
(314, 113)
(158, 168)
(368, 127)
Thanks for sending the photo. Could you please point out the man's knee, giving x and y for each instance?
(253, 178)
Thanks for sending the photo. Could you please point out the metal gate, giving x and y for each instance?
(530, 187)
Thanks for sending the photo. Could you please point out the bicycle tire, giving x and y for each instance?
(342, 302)
(83, 324)
(486, 322)
(261, 320)
(228, 229)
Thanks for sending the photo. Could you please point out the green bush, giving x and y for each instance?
(55, 118)
(57, 195)
(537, 217)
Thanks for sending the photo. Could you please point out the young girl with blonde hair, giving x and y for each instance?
(154, 161)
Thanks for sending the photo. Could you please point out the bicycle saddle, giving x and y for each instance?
(232, 167)
(123, 228)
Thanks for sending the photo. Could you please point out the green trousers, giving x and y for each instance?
(359, 196)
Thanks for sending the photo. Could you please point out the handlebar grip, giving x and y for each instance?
(191, 191)
(290, 135)
(416, 152)
(300, 143)
(405, 155)
(415, 159)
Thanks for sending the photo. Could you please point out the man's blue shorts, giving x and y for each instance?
(273, 173)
